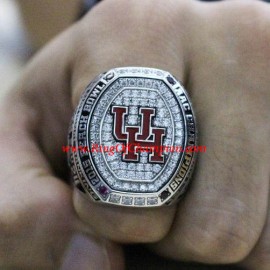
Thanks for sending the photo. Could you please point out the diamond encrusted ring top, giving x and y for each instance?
(130, 133)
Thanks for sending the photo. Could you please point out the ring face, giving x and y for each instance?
(130, 132)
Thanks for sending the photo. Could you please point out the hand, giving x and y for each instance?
(39, 228)
(212, 49)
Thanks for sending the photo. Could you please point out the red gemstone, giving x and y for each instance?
(103, 190)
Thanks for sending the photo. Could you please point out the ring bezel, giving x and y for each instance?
(175, 187)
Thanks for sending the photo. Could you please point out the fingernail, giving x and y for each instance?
(84, 253)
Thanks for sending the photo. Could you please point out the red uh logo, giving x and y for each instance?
(145, 136)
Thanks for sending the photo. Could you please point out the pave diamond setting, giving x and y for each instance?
(133, 121)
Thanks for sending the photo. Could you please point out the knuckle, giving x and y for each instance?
(135, 21)
(225, 237)
(129, 230)
(250, 18)
(141, 232)
(248, 22)
(133, 10)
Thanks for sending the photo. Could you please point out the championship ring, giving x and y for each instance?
(132, 138)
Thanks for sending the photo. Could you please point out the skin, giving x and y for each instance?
(45, 19)
(220, 51)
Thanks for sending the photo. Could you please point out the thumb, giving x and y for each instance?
(39, 228)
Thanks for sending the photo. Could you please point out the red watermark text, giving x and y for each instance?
(122, 148)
